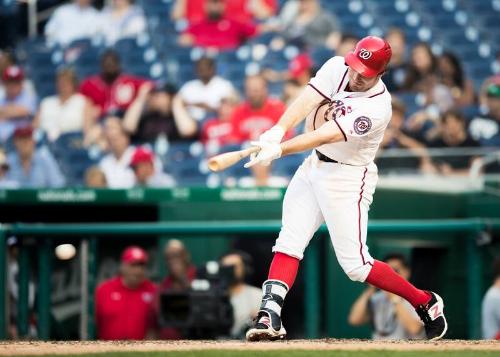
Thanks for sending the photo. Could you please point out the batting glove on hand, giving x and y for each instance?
(268, 152)
(273, 135)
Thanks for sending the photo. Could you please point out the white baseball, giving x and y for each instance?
(65, 251)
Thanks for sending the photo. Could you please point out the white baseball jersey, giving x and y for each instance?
(340, 193)
(361, 116)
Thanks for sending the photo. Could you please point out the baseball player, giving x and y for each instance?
(347, 108)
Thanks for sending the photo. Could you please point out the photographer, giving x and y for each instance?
(180, 275)
(392, 317)
(245, 299)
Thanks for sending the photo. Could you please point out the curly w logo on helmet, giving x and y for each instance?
(365, 54)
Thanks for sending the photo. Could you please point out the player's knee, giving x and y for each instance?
(360, 273)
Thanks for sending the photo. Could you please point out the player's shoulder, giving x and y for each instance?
(335, 63)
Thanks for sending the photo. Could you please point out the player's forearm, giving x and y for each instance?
(13, 111)
(300, 108)
(359, 314)
(328, 133)
(410, 324)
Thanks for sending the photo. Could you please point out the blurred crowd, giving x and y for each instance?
(127, 122)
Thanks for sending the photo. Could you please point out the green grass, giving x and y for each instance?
(303, 353)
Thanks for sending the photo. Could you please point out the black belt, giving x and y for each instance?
(325, 158)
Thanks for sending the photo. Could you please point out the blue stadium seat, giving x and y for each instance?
(72, 157)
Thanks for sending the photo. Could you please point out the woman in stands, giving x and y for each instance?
(421, 73)
(452, 76)
(64, 112)
(158, 111)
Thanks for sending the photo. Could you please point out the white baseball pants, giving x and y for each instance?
(339, 195)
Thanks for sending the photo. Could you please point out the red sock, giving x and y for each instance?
(284, 268)
(384, 277)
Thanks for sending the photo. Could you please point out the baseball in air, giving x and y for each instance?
(65, 251)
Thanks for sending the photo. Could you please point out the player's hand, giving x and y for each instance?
(273, 135)
(268, 152)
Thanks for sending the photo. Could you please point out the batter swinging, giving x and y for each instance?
(347, 108)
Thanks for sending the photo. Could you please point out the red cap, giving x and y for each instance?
(134, 254)
(141, 155)
(23, 131)
(299, 65)
(370, 57)
(13, 73)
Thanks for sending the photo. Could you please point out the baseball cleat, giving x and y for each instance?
(268, 327)
(432, 315)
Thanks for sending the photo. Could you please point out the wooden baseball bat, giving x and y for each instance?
(223, 161)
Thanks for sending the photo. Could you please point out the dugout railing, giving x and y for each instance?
(471, 229)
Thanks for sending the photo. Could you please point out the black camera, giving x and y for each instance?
(204, 310)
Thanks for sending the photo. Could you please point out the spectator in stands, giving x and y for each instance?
(70, 22)
(110, 92)
(7, 60)
(486, 129)
(394, 79)
(121, 20)
(31, 167)
(300, 71)
(259, 112)
(116, 164)
(245, 299)
(146, 174)
(220, 131)
(181, 272)
(217, 31)
(240, 10)
(452, 76)
(124, 305)
(491, 306)
(311, 26)
(347, 43)
(5, 182)
(17, 105)
(156, 112)
(391, 317)
(203, 95)
(64, 112)
(452, 133)
(421, 72)
(95, 178)
(397, 137)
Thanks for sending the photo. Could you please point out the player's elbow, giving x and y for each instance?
(354, 320)
(414, 328)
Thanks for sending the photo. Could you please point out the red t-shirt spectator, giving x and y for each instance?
(235, 9)
(111, 97)
(221, 132)
(123, 313)
(223, 34)
(250, 122)
(240, 9)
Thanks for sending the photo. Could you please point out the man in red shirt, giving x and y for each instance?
(217, 31)
(220, 131)
(240, 10)
(259, 112)
(111, 91)
(125, 305)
